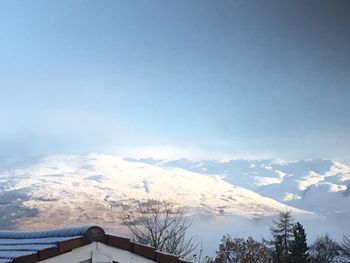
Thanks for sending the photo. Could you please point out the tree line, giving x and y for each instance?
(161, 225)
(288, 245)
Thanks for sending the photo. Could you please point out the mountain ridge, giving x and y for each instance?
(317, 185)
(95, 187)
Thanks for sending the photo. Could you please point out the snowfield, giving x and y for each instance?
(67, 189)
(320, 186)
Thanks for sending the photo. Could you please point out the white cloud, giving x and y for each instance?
(172, 152)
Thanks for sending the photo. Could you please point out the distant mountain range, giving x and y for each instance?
(66, 190)
(320, 186)
(85, 189)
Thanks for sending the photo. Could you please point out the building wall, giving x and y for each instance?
(97, 252)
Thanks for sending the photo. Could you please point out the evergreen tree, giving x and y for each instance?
(299, 248)
(282, 231)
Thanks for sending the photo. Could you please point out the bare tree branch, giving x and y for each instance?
(161, 225)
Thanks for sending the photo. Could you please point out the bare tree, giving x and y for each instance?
(239, 250)
(161, 225)
(346, 246)
(325, 250)
(282, 232)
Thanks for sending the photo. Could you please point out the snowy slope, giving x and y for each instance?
(88, 189)
(322, 186)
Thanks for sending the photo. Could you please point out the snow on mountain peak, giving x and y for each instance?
(95, 187)
(316, 185)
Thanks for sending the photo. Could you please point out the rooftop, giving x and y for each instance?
(30, 247)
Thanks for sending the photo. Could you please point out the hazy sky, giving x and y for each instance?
(190, 78)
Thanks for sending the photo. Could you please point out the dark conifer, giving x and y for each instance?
(299, 248)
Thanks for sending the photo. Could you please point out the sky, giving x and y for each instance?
(193, 79)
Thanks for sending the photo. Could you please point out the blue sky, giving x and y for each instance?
(245, 79)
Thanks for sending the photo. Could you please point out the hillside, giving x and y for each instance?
(321, 186)
(68, 190)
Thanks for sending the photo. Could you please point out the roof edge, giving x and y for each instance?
(82, 236)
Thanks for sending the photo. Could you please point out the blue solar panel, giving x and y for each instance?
(46, 240)
(67, 232)
(25, 247)
(4, 260)
(15, 244)
(13, 254)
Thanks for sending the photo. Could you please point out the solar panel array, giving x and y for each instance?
(15, 244)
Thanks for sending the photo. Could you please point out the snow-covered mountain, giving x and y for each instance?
(63, 190)
(321, 186)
